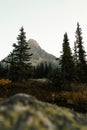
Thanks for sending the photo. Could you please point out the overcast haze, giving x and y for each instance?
(46, 21)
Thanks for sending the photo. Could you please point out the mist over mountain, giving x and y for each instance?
(40, 55)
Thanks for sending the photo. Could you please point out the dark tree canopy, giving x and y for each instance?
(80, 56)
(20, 57)
(79, 49)
(66, 62)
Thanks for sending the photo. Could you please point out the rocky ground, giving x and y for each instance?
(24, 112)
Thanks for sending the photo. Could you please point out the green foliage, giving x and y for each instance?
(79, 56)
(66, 62)
(42, 70)
(71, 69)
(56, 78)
(3, 70)
(19, 59)
(79, 44)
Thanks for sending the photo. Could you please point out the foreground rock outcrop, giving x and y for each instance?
(24, 112)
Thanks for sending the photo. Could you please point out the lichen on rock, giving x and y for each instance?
(24, 112)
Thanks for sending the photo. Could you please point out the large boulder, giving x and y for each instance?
(24, 112)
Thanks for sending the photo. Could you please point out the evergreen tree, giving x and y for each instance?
(1, 71)
(4, 69)
(45, 69)
(50, 68)
(42, 70)
(20, 57)
(75, 57)
(79, 55)
(66, 62)
(12, 70)
(37, 72)
(55, 76)
(79, 49)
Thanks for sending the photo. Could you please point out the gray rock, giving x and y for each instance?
(24, 112)
(40, 55)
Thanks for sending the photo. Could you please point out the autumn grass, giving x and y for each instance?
(5, 82)
(44, 91)
(75, 99)
(41, 90)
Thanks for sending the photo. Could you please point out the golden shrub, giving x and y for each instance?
(74, 97)
(5, 81)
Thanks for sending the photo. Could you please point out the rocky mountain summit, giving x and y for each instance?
(24, 112)
(40, 55)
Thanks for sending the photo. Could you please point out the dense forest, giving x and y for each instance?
(72, 67)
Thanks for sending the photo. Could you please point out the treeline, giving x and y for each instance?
(42, 70)
(17, 66)
(72, 65)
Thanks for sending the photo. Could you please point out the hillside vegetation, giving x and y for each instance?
(66, 84)
(44, 91)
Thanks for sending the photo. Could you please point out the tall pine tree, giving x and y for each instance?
(79, 49)
(66, 62)
(20, 62)
(79, 55)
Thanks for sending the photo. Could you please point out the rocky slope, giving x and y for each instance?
(40, 55)
(24, 112)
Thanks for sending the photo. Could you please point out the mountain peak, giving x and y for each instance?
(34, 43)
(40, 55)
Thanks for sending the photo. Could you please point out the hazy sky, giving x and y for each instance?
(46, 21)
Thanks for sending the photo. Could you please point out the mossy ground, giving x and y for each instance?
(24, 112)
